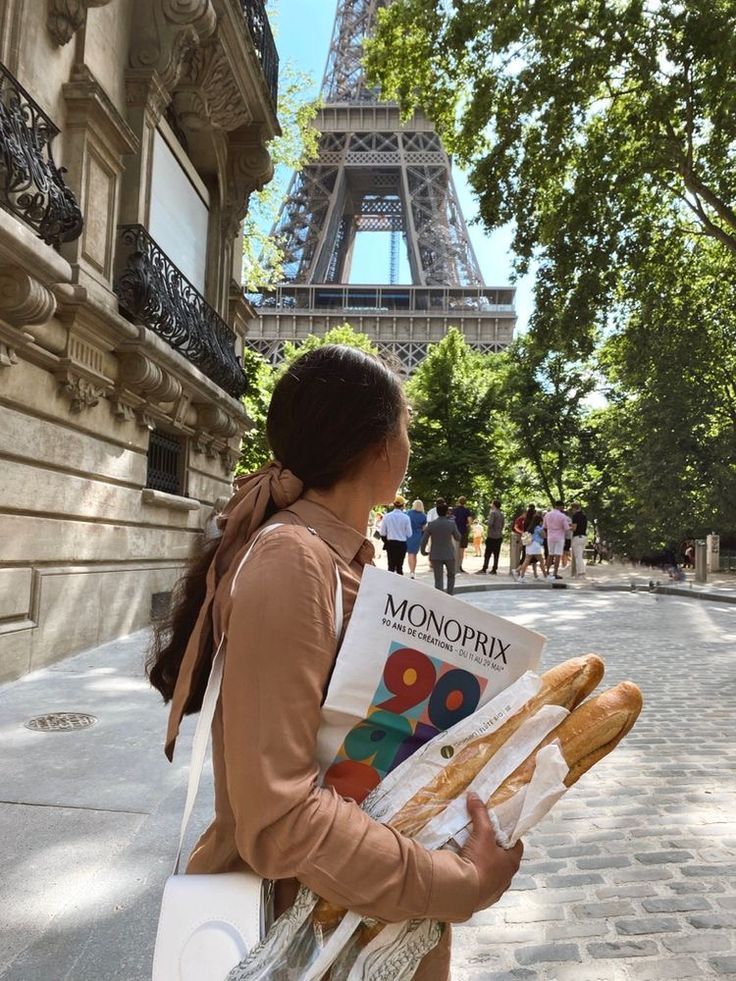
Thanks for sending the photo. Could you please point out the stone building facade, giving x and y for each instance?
(132, 133)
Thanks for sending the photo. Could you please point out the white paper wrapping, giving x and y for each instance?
(520, 813)
(401, 784)
(450, 822)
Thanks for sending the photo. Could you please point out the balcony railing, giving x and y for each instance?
(31, 185)
(153, 292)
(262, 37)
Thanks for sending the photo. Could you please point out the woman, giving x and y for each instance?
(337, 426)
(522, 524)
(418, 520)
(534, 550)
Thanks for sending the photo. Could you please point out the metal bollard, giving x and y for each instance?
(713, 552)
(515, 551)
(701, 562)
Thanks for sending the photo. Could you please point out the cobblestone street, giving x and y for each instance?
(632, 877)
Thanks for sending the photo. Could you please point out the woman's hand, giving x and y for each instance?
(495, 866)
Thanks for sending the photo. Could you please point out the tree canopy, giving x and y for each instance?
(605, 134)
(578, 120)
(459, 446)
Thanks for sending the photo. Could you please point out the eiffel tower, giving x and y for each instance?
(376, 173)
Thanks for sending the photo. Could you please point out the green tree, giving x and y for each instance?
(460, 435)
(546, 397)
(576, 118)
(254, 451)
(669, 434)
(344, 334)
(605, 134)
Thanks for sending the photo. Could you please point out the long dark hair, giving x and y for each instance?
(331, 407)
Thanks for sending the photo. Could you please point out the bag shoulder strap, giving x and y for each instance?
(212, 693)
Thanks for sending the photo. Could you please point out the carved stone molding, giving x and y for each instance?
(229, 457)
(65, 17)
(122, 409)
(144, 89)
(89, 106)
(144, 418)
(249, 168)
(128, 410)
(147, 378)
(213, 419)
(202, 442)
(23, 300)
(8, 357)
(82, 392)
(208, 95)
(166, 31)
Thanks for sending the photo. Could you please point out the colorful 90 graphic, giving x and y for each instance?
(418, 697)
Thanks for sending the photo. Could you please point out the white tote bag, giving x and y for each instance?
(208, 923)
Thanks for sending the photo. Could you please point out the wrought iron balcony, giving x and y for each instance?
(31, 185)
(153, 292)
(262, 37)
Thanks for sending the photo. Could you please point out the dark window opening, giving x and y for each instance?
(160, 605)
(165, 463)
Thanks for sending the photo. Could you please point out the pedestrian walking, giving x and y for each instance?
(534, 551)
(496, 521)
(579, 521)
(462, 516)
(556, 525)
(443, 539)
(476, 530)
(520, 528)
(396, 529)
(338, 428)
(688, 552)
(418, 520)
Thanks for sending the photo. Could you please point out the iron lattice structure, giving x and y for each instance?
(376, 173)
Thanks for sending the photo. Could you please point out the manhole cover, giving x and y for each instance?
(61, 722)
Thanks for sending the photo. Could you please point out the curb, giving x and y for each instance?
(705, 595)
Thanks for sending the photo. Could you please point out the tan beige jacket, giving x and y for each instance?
(270, 813)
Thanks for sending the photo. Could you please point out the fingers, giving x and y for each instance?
(515, 854)
(479, 815)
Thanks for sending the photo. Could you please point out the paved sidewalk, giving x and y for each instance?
(603, 576)
(632, 877)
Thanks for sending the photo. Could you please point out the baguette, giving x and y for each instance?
(586, 736)
(566, 684)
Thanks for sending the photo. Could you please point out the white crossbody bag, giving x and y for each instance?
(208, 923)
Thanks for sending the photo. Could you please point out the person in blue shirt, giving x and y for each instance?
(418, 520)
(534, 550)
(396, 530)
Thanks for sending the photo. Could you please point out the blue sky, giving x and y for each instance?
(303, 29)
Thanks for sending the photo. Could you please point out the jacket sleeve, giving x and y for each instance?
(280, 653)
(425, 538)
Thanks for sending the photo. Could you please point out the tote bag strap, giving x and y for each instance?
(212, 694)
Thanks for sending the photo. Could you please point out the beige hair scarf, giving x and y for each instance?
(245, 513)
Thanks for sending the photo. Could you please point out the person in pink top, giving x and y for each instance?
(556, 523)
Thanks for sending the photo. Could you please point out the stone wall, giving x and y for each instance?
(85, 544)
